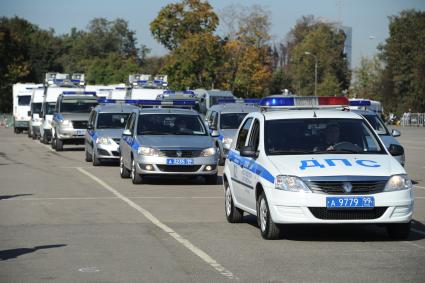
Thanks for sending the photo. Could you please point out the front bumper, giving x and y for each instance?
(21, 124)
(71, 134)
(289, 207)
(159, 166)
(108, 151)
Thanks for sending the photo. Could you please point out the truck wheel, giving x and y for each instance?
(95, 160)
(269, 230)
(211, 179)
(233, 214)
(58, 144)
(398, 231)
(124, 172)
(136, 178)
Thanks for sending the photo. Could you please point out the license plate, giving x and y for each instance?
(180, 161)
(80, 132)
(350, 202)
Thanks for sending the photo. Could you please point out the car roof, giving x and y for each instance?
(303, 114)
(234, 108)
(116, 107)
(168, 111)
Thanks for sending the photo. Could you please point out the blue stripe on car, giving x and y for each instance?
(251, 165)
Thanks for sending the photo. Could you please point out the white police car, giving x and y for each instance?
(314, 165)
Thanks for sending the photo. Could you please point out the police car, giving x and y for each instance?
(387, 137)
(314, 165)
(167, 141)
(224, 119)
(105, 126)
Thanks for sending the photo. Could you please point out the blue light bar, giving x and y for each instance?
(252, 100)
(168, 92)
(188, 92)
(79, 93)
(145, 102)
(184, 102)
(359, 102)
(120, 88)
(277, 101)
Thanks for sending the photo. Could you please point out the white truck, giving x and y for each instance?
(35, 112)
(56, 83)
(143, 87)
(21, 105)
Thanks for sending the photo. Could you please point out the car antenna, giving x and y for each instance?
(314, 114)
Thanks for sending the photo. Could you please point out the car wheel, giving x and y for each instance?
(58, 144)
(398, 231)
(233, 214)
(95, 160)
(29, 133)
(88, 156)
(136, 178)
(124, 172)
(269, 230)
(211, 179)
(53, 142)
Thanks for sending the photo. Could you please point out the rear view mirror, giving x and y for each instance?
(396, 150)
(248, 151)
(395, 133)
(126, 133)
(90, 127)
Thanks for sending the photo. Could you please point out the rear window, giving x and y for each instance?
(24, 100)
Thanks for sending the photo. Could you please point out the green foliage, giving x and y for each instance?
(176, 22)
(367, 79)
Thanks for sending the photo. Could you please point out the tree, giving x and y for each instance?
(367, 78)
(178, 21)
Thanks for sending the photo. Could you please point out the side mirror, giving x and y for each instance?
(29, 113)
(248, 151)
(396, 150)
(215, 134)
(395, 133)
(126, 133)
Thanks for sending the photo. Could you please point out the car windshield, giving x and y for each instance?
(170, 124)
(36, 108)
(320, 136)
(231, 120)
(377, 124)
(24, 100)
(50, 108)
(214, 100)
(112, 120)
(77, 105)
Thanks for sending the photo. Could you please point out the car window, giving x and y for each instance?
(171, 124)
(377, 124)
(111, 120)
(24, 100)
(254, 137)
(243, 134)
(231, 120)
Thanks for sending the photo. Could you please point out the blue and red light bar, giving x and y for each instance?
(303, 102)
(360, 103)
(92, 93)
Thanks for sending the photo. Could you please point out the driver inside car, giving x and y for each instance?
(331, 136)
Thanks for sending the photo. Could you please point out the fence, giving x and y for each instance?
(6, 120)
(413, 120)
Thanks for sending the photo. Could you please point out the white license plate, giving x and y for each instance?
(179, 161)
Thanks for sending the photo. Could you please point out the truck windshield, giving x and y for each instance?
(170, 124)
(36, 108)
(50, 108)
(320, 136)
(112, 120)
(231, 120)
(24, 100)
(77, 105)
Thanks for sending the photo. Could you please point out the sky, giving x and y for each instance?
(367, 18)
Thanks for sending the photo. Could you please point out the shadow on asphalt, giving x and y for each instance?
(14, 196)
(14, 253)
(338, 233)
(183, 180)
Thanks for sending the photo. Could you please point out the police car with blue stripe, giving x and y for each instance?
(104, 129)
(299, 161)
(167, 141)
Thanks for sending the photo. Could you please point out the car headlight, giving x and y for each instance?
(65, 123)
(148, 151)
(398, 183)
(208, 152)
(104, 140)
(291, 184)
(227, 140)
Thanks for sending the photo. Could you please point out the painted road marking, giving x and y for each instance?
(186, 243)
(419, 187)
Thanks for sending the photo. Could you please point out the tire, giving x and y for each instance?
(29, 133)
(58, 144)
(95, 161)
(34, 137)
(124, 172)
(88, 156)
(233, 214)
(211, 179)
(53, 142)
(399, 231)
(136, 178)
(269, 230)
(16, 130)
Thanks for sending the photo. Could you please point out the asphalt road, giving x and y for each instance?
(63, 220)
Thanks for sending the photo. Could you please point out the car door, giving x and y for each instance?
(236, 164)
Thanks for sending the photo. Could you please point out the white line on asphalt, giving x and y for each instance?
(419, 197)
(186, 243)
(419, 187)
(48, 147)
(413, 244)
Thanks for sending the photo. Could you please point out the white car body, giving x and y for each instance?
(36, 103)
(21, 104)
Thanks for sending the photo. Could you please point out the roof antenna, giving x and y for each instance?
(314, 115)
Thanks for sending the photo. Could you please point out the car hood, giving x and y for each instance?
(229, 133)
(112, 133)
(75, 116)
(337, 165)
(176, 142)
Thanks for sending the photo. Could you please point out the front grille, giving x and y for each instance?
(102, 152)
(347, 214)
(179, 168)
(181, 153)
(115, 153)
(336, 187)
(79, 124)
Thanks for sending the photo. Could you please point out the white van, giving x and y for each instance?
(35, 112)
(21, 105)
(209, 98)
(142, 87)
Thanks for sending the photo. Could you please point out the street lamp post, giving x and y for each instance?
(315, 71)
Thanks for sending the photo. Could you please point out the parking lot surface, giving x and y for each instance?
(63, 220)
